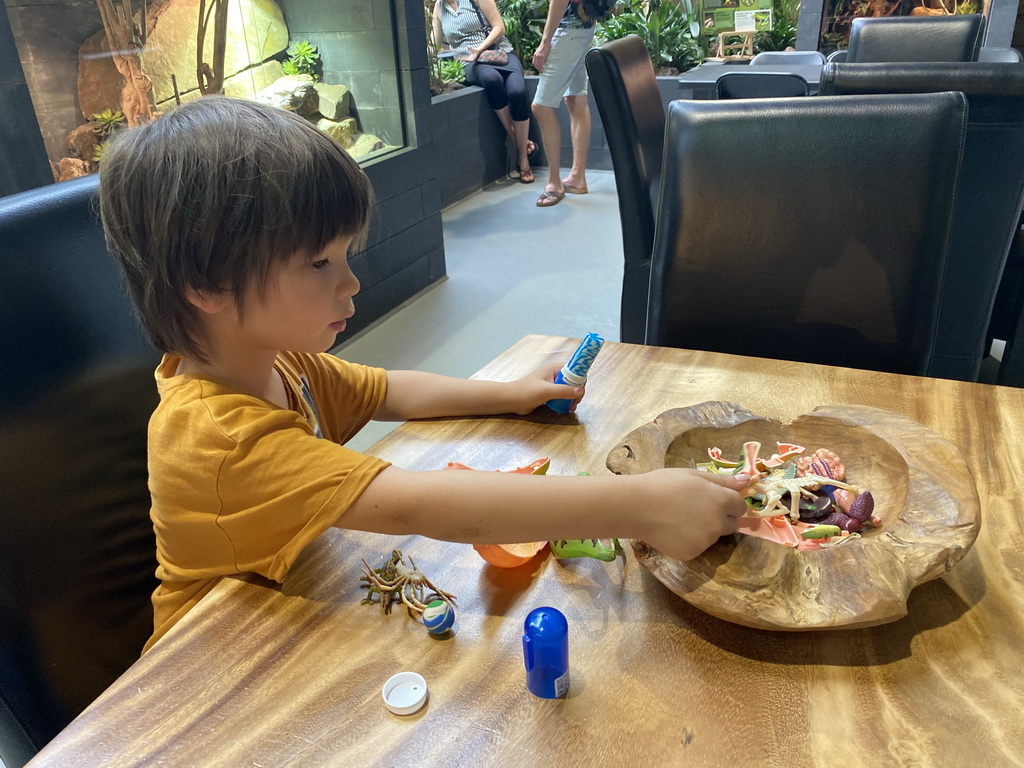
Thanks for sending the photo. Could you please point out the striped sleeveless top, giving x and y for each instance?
(462, 28)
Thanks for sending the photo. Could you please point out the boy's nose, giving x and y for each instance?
(349, 286)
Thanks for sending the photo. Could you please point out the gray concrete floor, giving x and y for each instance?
(513, 269)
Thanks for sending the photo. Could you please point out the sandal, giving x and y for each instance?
(549, 198)
(526, 177)
(574, 190)
(530, 147)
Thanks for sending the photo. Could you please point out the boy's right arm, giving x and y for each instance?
(681, 512)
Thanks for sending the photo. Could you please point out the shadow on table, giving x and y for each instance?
(931, 605)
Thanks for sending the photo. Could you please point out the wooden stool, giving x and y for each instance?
(745, 47)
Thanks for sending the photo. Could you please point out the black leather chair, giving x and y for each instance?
(915, 38)
(787, 58)
(990, 192)
(759, 85)
(782, 234)
(1005, 55)
(626, 91)
(1007, 321)
(77, 552)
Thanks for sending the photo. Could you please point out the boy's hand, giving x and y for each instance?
(538, 387)
(686, 510)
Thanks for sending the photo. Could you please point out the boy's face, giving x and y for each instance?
(307, 301)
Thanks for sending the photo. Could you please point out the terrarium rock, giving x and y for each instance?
(335, 101)
(72, 168)
(364, 144)
(296, 93)
(925, 498)
(83, 141)
(342, 131)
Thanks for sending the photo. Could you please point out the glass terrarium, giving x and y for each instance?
(94, 67)
(839, 15)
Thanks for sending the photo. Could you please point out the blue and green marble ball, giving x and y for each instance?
(438, 617)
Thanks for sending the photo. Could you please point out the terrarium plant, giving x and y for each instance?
(782, 35)
(105, 123)
(303, 59)
(97, 154)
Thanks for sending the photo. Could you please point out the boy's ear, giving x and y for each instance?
(206, 301)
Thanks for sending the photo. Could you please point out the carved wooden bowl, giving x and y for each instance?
(924, 494)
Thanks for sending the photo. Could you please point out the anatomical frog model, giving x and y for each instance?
(803, 501)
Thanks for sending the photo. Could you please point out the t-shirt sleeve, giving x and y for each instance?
(282, 489)
(347, 395)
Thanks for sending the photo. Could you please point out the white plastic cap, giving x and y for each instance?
(405, 693)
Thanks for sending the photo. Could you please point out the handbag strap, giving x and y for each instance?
(483, 21)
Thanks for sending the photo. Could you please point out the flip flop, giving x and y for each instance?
(530, 147)
(526, 177)
(574, 190)
(549, 198)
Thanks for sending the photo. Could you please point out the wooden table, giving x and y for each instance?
(267, 675)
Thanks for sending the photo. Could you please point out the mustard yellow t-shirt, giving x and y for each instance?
(240, 485)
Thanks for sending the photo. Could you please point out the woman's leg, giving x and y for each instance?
(519, 110)
(492, 80)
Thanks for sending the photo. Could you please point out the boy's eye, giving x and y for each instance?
(321, 263)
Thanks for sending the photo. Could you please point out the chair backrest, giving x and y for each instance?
(839, 55)
(1005, 55)
(915, 38)
(626, 91)
(989, 194)
(77, 552)
(759, 85)
(781, 233)
(788, 57)
(1008, 319)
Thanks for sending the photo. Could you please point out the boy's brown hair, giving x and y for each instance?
(210, 195)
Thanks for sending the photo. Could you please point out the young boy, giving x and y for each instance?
(232, 222)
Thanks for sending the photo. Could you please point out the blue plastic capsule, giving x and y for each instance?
(546, 652)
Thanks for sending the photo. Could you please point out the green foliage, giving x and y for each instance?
(97, 154)
(783, 32)
(303, 59)
(967, 8)
(452, 71)
(524, 25)
(669, 31)
(105, 123)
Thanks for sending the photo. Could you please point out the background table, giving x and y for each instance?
(700, 81)
(285, 675)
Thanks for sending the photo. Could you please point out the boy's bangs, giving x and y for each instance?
(331, 199)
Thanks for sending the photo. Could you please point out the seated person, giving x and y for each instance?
(232, 223)
(470, 27)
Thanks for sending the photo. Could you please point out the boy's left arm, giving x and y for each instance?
(419, 395)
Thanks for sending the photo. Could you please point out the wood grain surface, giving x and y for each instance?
(925, 497)
(265, 675)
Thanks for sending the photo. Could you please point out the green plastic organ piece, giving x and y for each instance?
(569, 548)
(820, 532)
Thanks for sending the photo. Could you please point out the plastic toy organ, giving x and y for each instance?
(796, 500)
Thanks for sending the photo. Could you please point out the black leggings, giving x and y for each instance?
(505, 86)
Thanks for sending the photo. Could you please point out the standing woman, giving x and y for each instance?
(470, 27)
